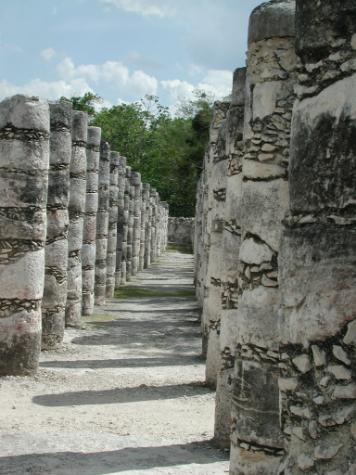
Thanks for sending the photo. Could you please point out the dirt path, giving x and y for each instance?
(124, 396)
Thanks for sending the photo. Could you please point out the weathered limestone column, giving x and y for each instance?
(126, 225)
(115, 161)
(148, 232)
(200, 238)
(144, 218)
(231, 240)
(24, 161)
(165, 212)
(217, 162)
(120, 221)
(131, 222)
(77, 198)
(136, 234)
(318, 254)
(56, 251)
(153, 199)
(91, 209)
(102, 224)
(257, 441)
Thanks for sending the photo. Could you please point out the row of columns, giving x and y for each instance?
(74, 226)
(275, 245)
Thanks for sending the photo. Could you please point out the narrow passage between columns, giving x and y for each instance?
(126, 394)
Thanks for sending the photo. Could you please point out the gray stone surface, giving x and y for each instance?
(102, 224)
(91, 210)
(56, 250)
(181, 231)
(24, 163)
(77, 200)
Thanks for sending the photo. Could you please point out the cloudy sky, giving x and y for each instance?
(121, 49)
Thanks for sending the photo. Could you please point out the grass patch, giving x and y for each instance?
(129, 292)
(182, 248)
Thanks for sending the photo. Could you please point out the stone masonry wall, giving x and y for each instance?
(181, 231)
(62, 206)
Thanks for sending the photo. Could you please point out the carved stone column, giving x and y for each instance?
(24, 161)
(56, 251)
(77, 198)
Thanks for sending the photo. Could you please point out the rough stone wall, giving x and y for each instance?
(231, 240)
(181, 231)
(24, 162)
(56, 250)
(317, 261)
(91, 209)
(77, 199)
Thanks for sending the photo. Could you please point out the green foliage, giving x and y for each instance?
(167, 150)
(85, 103)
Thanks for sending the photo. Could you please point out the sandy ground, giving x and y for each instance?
(125, 395)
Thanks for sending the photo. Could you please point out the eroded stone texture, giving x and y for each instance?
(153, 240)
(199, 239)
(24, 162)
(148, 232)
(120, 220)
(77, 199)
(144, 224)
(256, 439)
(317, 259)
(127, 199)
(216, 164)
(136, 230)
(131, 222)
(56, 250)
(102, 224)
(181, 231)
(115, 163)
(231, 239)
(89, 231)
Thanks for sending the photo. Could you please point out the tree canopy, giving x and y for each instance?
(167, 149)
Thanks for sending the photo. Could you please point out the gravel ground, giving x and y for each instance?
(125, 394)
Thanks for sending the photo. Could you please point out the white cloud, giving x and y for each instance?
(158, 8)
(217, 82)
(114, 72)
(46, 89)
(178, 89)
(47, 54)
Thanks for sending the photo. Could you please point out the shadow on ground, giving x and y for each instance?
(122, 395)
(99, 463)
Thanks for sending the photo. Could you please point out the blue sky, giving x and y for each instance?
(121, 49)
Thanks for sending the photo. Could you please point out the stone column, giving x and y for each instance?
(148, 232)
(257, 441)
(200, 238)
(144, 218)
(231, 240)
(130, 223)
(136, 235)
(115, 162)
(120, 221)
(56, 251)
(216, 204)
(126, 225)
(91, 209)
(77, 198)
(153, 196)
(24, 161)
(318, 253)
(102, 224)
(165, 212)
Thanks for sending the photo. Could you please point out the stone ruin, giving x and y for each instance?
(275, 245)
(74, 226)
(181, 231)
